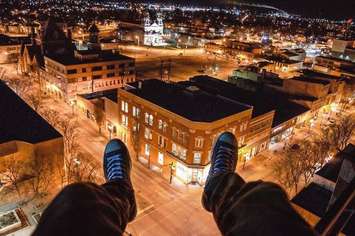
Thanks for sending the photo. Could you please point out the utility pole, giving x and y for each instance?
(169, 70)
(161, 69)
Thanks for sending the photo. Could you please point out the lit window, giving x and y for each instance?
(135, 112)
(183, 153)
(124, 120)
(197, 157)
(124, 106)
(161, 141)
(148, 134)
(136, 128)
(147, 149)
(148, 118)
(179, 151)
(165, 126)
(160, 124)
(161, 158)
(199, 142)
(151, 120)
(175, 132)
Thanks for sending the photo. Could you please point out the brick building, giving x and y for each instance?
(175, 125)
(86, 72)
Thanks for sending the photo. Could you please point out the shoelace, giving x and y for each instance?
(224, 159)
(115, 168)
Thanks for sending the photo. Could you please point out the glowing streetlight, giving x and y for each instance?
(137, 38)
(110, 129)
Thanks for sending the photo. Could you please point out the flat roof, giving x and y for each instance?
(279, 58)
(250, 44)
(103, 56)
(19, 122)
(9, 40)
(263, 101)
(311, 80)
(187, 101)
(331, 169)
(317, 74)
(335, 59)
(313, 198)
(110, 94)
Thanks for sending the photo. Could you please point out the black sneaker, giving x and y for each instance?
(117, 162)
(224, 155)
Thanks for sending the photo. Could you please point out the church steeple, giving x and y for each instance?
(93, 33)
(94, 37)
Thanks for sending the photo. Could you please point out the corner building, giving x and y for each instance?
(173, 126)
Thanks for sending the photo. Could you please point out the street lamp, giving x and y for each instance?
(137, 38)
(110, 129)
(172, 167)
(72, 104)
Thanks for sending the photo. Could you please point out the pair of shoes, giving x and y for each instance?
(117, 162)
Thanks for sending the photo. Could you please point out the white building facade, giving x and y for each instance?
(154, 31)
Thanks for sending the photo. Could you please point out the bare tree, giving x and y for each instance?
(306, 158)
(339, 134)
(301, 162)
(13, 173)
(82, 169)
(20, 86)
(288, 170)
(69, 129)
(99, 116)
(59, 169)
(35, 101)
(52, 116)
(41, 171)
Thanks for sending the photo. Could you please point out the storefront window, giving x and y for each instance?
(161, 158)
(197, 157)
(147, 149)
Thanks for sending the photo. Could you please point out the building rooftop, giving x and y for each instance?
(19, 122)
(331, 170)
(110, 94)
(7, 40)
(313, 198)
(279, 58)
(185, 100)
(316, 74)
(335, 59)
(311, 80)
(35, 51)
(89, 56)
(262, 101)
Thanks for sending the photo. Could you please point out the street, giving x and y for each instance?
(182, 63)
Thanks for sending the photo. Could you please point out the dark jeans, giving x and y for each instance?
(239, 208)
(255, 208)
(89, 209)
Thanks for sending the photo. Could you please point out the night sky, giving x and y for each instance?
(342, 9)
(333, 9)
